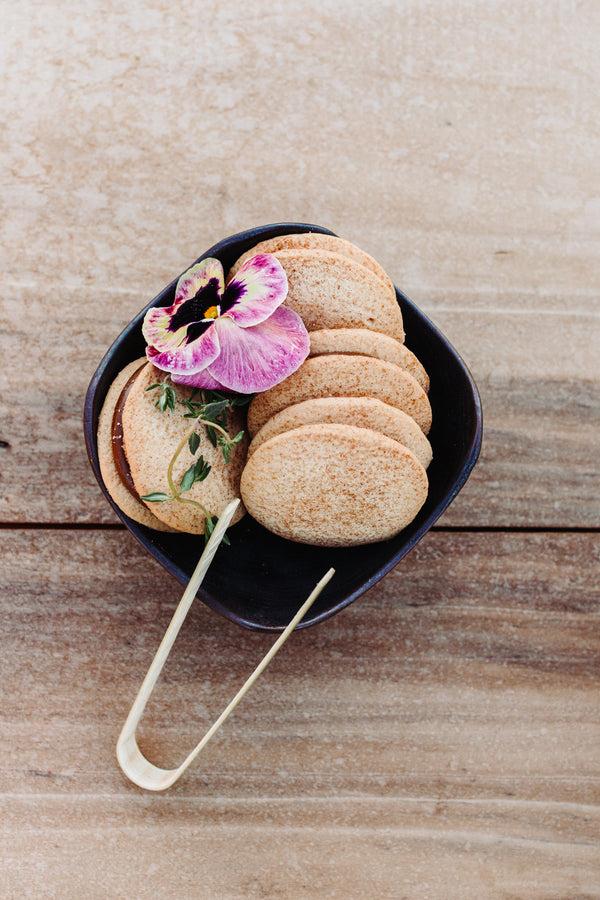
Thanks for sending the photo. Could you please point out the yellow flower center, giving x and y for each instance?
(211, 313)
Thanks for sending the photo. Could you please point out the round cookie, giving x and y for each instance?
(150, 439)
(333, 485)
(340, 375)
(368, 343)
(362, 412)
(133, 508)
(329, 290)
(314, 240)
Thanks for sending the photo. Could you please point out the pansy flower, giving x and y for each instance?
(238, 337)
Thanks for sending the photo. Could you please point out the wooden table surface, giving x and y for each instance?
(439, 738)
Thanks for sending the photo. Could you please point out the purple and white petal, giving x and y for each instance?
(157, 332)
(187, 358)
(156, 326)
(257, 290)
(256, 359)
(197, 277)
(202, 380)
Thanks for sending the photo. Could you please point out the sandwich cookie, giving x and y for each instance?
(368, 343)
(314, 240)
(150, 438)
(362, 412)
(341, 375)
(113, 463)
(333, 485)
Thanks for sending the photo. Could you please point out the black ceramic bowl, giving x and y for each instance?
(260, 580)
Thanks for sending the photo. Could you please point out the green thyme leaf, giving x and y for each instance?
(214, 396)
(227, 445)
(187, 479)
(203, 410)
(166, 398)
(211, 434)
(211, 411)
(170, 395)
(241, 399)
(209, 527)
(194, 442)
(201, 469)
(198, 471)
(230, 399)
(156, 497)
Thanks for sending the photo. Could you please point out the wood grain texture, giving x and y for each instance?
(541, 396)
(468, 167)
(439, 738)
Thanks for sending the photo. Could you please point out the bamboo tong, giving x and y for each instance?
(131, 760)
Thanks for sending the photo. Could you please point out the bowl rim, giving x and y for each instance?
(140, 533)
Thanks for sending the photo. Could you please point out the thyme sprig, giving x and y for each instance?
(210, 407)
(166, 397)
(213, 407)
(207, 408)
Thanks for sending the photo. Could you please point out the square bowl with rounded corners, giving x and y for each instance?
(261, 579)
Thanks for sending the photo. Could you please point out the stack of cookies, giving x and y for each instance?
(339, 449)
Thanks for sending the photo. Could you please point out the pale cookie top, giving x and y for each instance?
(344, 375)
(151, 437)
(314, 240)
(333, 485)
(329, 290)
(368, 343)
(332, 291)
(364, 412)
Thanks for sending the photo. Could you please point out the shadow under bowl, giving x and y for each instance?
(260, 580)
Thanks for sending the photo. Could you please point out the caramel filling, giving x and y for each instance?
(118, 447)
